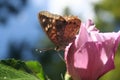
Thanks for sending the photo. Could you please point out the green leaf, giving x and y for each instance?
(36, 69)
(12, 69)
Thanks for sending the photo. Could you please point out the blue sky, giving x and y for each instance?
(84, 8)
(25, 26)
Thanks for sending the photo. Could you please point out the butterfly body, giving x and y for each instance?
(61, 30)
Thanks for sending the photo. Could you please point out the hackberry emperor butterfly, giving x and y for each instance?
(61, 30)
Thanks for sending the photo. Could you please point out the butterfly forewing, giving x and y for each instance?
(61, 30)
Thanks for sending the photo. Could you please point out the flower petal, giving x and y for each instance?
(92, 53)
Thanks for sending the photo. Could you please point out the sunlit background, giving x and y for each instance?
(21, 33)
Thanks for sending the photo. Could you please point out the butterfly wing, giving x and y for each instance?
(71, 29)
(61, 30)
(53, 25)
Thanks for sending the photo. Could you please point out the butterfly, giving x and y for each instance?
(61, 30)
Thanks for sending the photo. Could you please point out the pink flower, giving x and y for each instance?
(92, 53)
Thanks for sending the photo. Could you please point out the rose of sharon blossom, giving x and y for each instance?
(92, 53)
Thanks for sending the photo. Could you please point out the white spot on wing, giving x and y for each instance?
(46, 28)
(43, 20)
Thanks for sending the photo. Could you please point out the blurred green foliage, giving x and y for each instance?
(107, 15)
